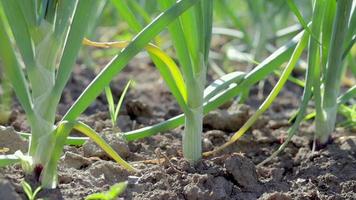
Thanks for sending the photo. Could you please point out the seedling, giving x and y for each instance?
(114, 111)
(113, 192)
(31, 195)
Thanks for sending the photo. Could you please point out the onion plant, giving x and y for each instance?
(316, 83)
(43, 34)
(40, 40)
(191, 35)
(313, 36)
(326, 96)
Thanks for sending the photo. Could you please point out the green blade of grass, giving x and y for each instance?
(13, 70)
(20, 31)
(179, 42)
(314, 59)
(119, 62)
(111, 105)
(126, 13)
(342, 99)
(64, 14)
(230, 14)
(139, 10)
(27, 189)
(49, 173)
(165, 65)
(73, 43)
(75, 141)
(83, 128)
(350, 93)
(269, 100)
(300, 18)
(113, 192)
(121, 100)
(327, 31)
(6, 160)
(326, 124)
(352, 26)
(260, 72)
(223, 83)
(292, 79)
(29, 11)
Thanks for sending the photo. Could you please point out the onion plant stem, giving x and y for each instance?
(325, 126)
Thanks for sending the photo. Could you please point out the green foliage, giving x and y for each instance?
(40, 40)
(113, 192)
(114, 111)
(48, 46)
(31, 195)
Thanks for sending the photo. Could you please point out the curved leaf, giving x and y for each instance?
(6, 160)
(120, 61)
(258, 73)
(269, 100)
(86, 130)
(164, 63)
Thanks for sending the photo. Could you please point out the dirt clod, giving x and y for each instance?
(243, 171)
(137, 108)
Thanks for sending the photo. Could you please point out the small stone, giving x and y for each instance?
(207, 145)
(72, 160)
(7, 191)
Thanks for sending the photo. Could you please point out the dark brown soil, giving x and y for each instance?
(297, 173)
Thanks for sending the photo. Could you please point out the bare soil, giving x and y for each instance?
(297, 173)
